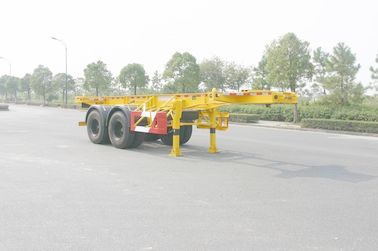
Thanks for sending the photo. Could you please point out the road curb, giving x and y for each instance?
(4, 107)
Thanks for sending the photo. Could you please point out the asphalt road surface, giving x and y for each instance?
(268, 189)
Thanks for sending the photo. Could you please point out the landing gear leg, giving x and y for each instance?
(213, 124)
(177, 111)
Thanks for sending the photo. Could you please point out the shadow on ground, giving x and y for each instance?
(287, 170)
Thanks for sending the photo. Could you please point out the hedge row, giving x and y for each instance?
(244, 118)
(341, 125)
(285, 112)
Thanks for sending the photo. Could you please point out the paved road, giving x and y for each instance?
(269, 189)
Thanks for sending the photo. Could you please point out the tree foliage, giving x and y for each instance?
(12, 86)
(212, 73)
(25, 86)
(182, 73)
(374, 73)
(156, 82)
(59, 82)
(288, 63)
(41, 82)
(3, 91)
(97, 77)
(133, 76)
(259, 77)
(79, 86)
(342, 69)
(320, 59)
(236, 76)
(9, 87)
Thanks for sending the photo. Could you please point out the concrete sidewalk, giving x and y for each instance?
(277, 124)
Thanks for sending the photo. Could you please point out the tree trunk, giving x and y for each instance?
(97, 91)
(63, 97)
(343, 99)
(296, 114)
(135, 88)
(44, 96)
(29, 96)
(295, 110)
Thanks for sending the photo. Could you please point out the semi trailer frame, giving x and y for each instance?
(126, 121)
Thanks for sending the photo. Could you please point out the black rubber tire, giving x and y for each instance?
(185, 135)
(149, 137)
(167, 139)
(96, 128)
(138, 139)
(119, 130)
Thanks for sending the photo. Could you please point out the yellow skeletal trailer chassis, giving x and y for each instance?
(129, 120)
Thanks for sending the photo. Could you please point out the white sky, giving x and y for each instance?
(149, 32)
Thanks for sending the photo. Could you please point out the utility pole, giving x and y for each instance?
(65, 49)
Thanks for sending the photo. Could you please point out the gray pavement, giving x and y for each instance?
(268, 189)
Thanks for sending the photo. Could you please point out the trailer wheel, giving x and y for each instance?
(167, 139)
(138, 139)
(151, 137)
(119, 131)
(185, 135)
(96, 128)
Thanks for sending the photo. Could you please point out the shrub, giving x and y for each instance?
(343, 125)
(245, 118)
(285, 112)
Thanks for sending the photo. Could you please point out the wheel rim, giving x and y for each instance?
(118, 130)
(95, 127)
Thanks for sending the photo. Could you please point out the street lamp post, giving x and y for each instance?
(10, 65)
(65, 48)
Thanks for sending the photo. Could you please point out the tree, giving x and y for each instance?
(133, 76)
(320, 59)
(12, 85)
(25, 86)
(342, 68)
(182, 73)
(374, 74)
(156, 82)
(3, 90)
(259, 78)
(9, 85)
(79, 89)
(41, 82)
(97, 77)
(59, 81)
(212, 73)
(236, 76)
(288, 64)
